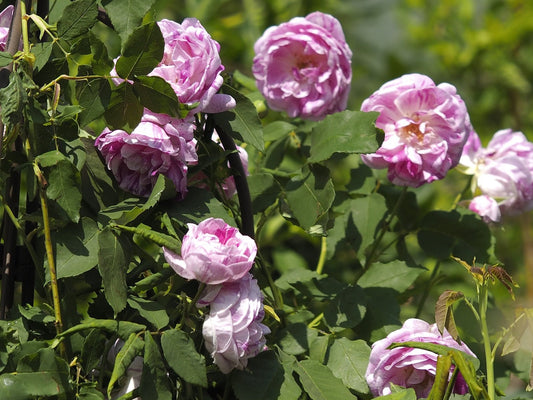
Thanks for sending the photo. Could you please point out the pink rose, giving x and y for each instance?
(503, 171)
(5, 23)
(303, 66)
(213, 252)
(486, 207)
(426, 127)
(158, 145)
(233, 331)
(191, 65)
(409, 367)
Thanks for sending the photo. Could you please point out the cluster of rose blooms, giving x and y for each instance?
(303, 67)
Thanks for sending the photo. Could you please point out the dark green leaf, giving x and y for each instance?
(310, 195)
(64, 184)
(347, 309)
(126, 15)
(264, 191)
(91, 353)
(78, 17)
(124, 110)
(155, 384)
(382, 313)
(152, 311)
(319, 382)
(42, 52)
(112, 264)
(182, 357)
(267, 377)
(45, 360)
(12, 100)
(94, 96)
(459, 233)
(121, 328)
(157, 95)
(344, 132)
(5, 59)
(100, 62)
(132, 348)
(296, 338)
(348, 360)
(242, 120)
(396, 275)
(276, 130)
(142, 52)
(28, 385)
(50, 158)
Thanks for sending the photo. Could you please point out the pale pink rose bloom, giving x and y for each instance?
(426, 127)
(233, 331)
(471, 151)
(504, 171)
(303, 66)
(213, 252)
(410, 367)
(191, 65)
(5, 23)
(158, 145)
(486, 207)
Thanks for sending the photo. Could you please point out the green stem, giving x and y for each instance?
(25, 41)
(315, 321)
(489, 361)
(192, 304)
(52, 268)
(322, 258)
(278, 299)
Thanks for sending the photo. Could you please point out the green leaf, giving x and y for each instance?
(64, 184)
(76, 248)
(346, 132)
(126, 15)
(157, 95)
(155, 384)
(310, 195)
(28, 385)
(158, 238)
(382, 313)
(395, 274)
(319, 382)
(152, 311)
(181, 355)
(132, 348)
(42, 52)
(5, 59)
(122, 329)
(91, 352)
(347, 309)
(50, 158)
(112, 264)
(442, 374)
(444, 312)
(264, 191)
(13, 98)
(348, 360)
(142, 52)
(93, 96)
(45, 360)
(242, 120)
(124, 110)
(78, 17)
(407, 394)
(460, 233)
(296, 338)
(267, 377)
(276, 130)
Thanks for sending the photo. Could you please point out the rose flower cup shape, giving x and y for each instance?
(426, 127)
(410, 367)
(191, 64)
(303, 66)
(158, 145)
(233, 331)
(486, 207)
(213, 252)
(502, 171)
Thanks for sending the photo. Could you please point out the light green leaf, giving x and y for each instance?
(122, 329)
(348, 360)
(132, 348)
(5, 59)
(181, 355)
(112, 264)
(396, 275)
(319, 382)
(153, 311)
(126, 15)
(344, 132)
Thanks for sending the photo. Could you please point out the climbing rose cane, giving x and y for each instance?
(410, 367)
(213, 252)
(426, 127)
(303, 66)
(158, 145)
(233, 331)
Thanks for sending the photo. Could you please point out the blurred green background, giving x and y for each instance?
(483, 47)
